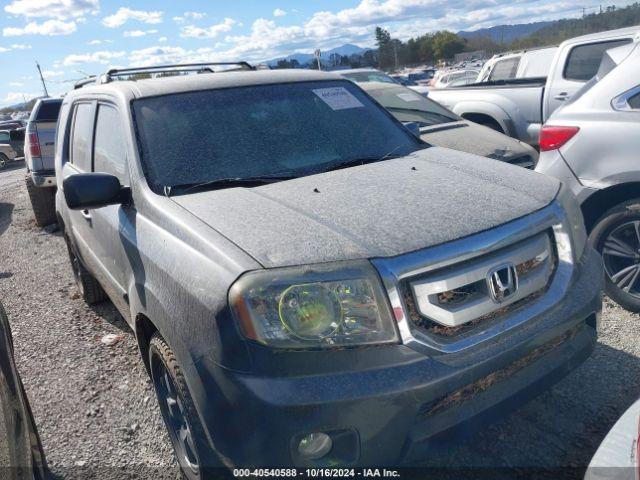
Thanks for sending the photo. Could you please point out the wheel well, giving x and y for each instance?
(484, 119)
(601, 201)
(144, 331)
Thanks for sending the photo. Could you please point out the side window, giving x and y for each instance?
(82, 136)
(4, 137)
(634, 102)
(583, 61)
(505, 69)
(109, 146)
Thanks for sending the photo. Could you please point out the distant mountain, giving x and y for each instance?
(302, 58)
(506, 33)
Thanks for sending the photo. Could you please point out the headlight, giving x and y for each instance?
(313, 306)
(575, 220)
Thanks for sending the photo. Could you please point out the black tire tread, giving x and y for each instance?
(91, 290)
(159, 345)
(42, 202)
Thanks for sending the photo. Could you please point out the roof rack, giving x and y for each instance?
(84, 81)
(185, 67)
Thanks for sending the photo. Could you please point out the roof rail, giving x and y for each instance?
(185, 67)
(84, 81)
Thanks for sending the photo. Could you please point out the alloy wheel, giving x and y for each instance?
(621, 255)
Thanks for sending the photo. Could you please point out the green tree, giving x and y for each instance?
(385, 48)
(446, 44)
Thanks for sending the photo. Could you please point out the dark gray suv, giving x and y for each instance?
(309, 283)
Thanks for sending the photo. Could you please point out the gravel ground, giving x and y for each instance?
(93, 404)
(98, 416)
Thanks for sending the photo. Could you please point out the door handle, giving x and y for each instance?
(562, 96)
(86, 215)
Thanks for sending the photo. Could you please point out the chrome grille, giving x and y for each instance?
(398, 272)
(463, 293)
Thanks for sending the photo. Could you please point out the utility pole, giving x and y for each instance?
(317, 53)
(395, 53)
(44, 85)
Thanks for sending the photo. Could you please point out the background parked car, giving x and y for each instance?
(522, 64)
(618, 456)
(520, 106)
(39, 157)
(361, 75)
(7, 151)
(21, 454)
(454, 78)
(592, 145)
(441, 127)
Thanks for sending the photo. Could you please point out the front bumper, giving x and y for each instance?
(392, 411)
(45, 178)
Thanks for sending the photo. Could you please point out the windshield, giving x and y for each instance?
(278, 130)
(369, 77)
(409, 106)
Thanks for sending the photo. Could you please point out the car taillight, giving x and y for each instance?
(34, 145)
(553, 137)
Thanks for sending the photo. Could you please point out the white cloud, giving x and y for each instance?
(61, 9)
(158, 55)
(123, 15)
(20, 46)
(50, 27)
(139, 33)
(52, 73)
(213, 31)
(16, 97)
(103, 57)
(98, 42)
(163, 39)
(195, 15)
(16, 84)
(278, 12)
(4, 49)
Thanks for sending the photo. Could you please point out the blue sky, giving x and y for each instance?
(69, 37)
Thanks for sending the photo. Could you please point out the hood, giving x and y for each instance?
(473, 138)
(381, 209)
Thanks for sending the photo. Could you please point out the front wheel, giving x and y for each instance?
(3, 161)
(616, 235)
(179, 412)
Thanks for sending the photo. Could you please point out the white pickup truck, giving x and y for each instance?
(520, 106)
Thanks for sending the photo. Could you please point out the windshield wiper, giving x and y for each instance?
(354, 162)
(226, 183)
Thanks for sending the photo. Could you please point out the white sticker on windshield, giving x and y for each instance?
(338, 98)
(409, 97)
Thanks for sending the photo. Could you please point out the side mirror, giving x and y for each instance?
(413, 127)
(84, 191)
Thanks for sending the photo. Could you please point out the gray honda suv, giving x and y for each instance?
(308, 282)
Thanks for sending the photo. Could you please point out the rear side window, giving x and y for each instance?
(109, 153)
(584, 60)
(4, 137)
(634, 102)
(82, 136)
(505, 69)
(48, 111)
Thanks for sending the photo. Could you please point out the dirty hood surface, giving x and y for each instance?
(473, 138)
(381, 209)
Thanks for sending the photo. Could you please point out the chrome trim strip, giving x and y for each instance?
(395, 269)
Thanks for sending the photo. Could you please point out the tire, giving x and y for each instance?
(3, 161)
(88, 286)
(43, 202)
(616, 235)
(195, 457)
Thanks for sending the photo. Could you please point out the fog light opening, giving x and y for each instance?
(315, 446)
